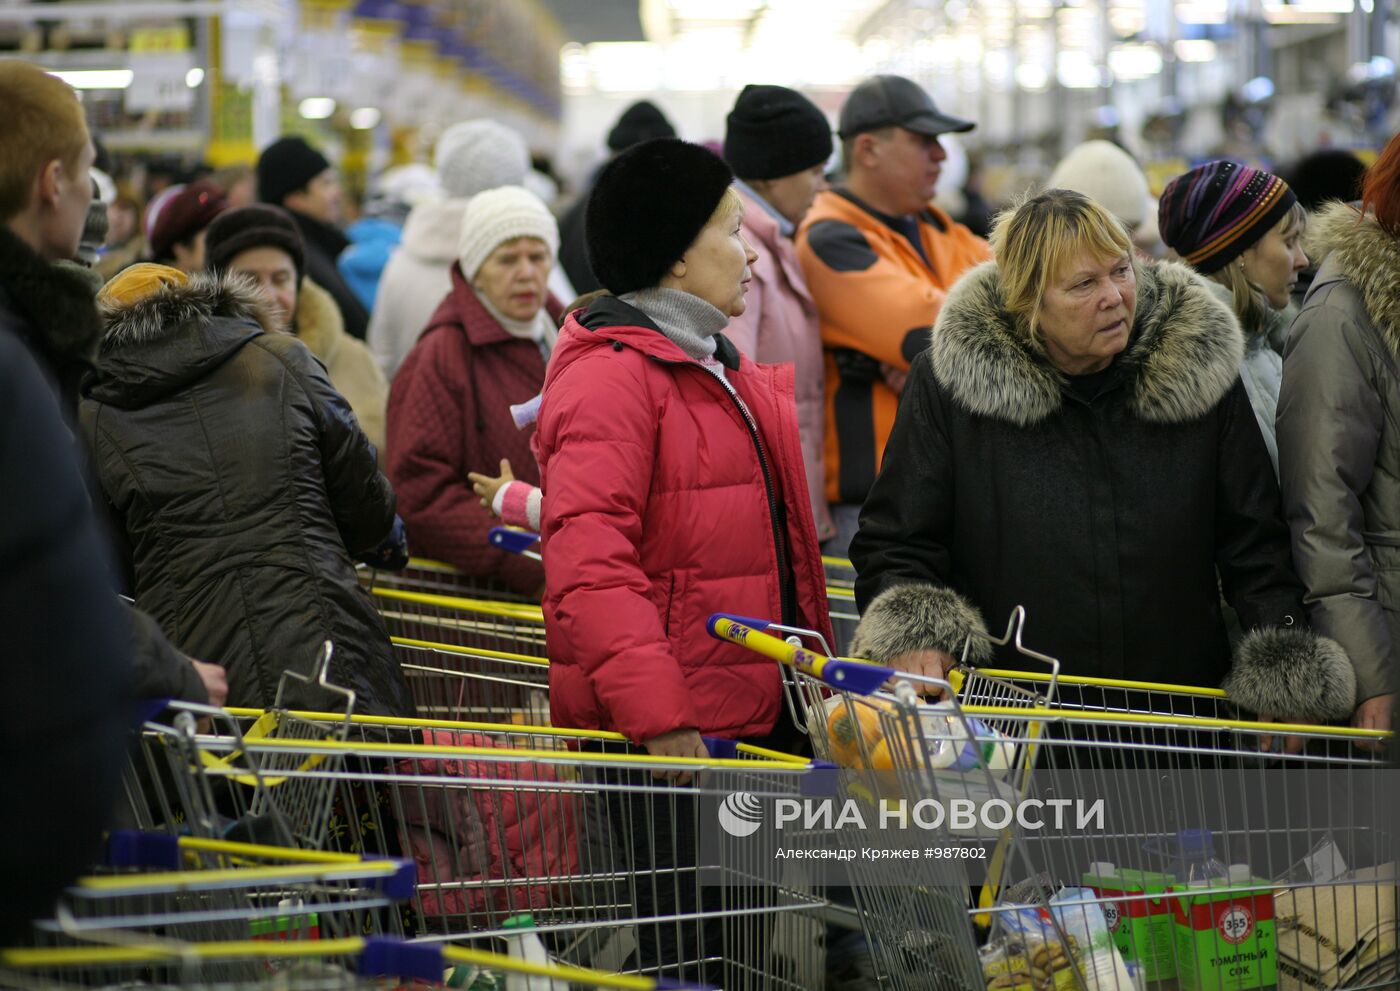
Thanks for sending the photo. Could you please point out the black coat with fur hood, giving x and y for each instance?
(1107, 517)
(243, 486)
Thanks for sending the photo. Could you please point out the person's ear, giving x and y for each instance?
(677, 269)
(48, 184)
(867, 148)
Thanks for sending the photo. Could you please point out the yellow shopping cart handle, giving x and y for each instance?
(850, 676)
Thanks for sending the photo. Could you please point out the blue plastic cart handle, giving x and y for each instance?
(512, 540)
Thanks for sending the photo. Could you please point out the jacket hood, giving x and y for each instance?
(610, 319)
(57, 302)
(1182, 358)
(430, 233)
(1342, 241)
(318, 322)
(176, 336)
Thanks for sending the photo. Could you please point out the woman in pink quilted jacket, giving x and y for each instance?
(673, 489)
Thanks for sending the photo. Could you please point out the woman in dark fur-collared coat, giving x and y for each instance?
(242, 487)
(1076, 440)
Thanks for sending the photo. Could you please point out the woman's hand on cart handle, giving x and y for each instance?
(486, 487)
(1291, 744)
(928, 663)
(1374, 713)
(677, 743)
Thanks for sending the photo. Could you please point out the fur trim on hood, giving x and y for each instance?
(162, 314)
(318, 322)
(1367, 257)
(920, 617)
(1183, 357)
(1291, 673)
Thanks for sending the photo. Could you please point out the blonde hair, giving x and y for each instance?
(1248, 301)
(1035, 241)
(43, 122)
(729, 205)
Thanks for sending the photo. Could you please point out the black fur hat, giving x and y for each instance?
(648, 206)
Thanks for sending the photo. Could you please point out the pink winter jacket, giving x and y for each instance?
(658, 511)
(779, 326)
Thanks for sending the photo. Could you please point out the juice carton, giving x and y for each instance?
(1142, 928)
(1226, 940)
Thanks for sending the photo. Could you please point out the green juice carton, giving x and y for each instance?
(1226, 940)
(1141, 928)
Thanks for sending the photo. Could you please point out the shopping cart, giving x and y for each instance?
(344, 964)
(462, 683)
(188, 888)
(427, 575)
(572, 827)
(514, 628)
(1312, 849)
(262, 802)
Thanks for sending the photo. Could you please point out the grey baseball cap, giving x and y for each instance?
(893, 101)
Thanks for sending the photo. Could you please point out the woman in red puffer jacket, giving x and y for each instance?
(672, 472)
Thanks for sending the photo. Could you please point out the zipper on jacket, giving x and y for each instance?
(787, 593)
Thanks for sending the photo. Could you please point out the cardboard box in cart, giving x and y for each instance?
(1225, 940)
(1142, 928)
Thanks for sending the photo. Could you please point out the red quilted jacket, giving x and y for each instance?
(449, 413)
(656, 514)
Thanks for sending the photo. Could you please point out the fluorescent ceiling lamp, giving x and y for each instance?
(194, 77)
(714, 10)
(317, 107)
(1306, 11)
(1195, 50)
(95, 78)
(1076, 70)
(364, 118)
(1130, 62)
(1032, 76)
(1203, 12)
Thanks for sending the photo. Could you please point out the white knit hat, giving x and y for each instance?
(477, 155)
(499, 215)
(1107, 174)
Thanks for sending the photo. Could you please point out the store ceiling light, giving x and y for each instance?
(96, 78)
(1195, 50)
(1132, 62)
(194, 77)
(1203, 11)
(1306, 11)
(317, 108)
(365, 118)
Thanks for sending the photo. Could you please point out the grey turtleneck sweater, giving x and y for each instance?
(688, 321)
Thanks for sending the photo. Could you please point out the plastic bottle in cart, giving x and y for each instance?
(524, 943)
(1195, 861)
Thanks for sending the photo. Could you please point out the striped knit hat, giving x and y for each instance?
(1212, 214)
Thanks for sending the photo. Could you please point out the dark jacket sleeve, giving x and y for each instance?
(1252, 547)
(902, 552)
(361, 498)
(66, 681)
(1330, 418)
(162, 671)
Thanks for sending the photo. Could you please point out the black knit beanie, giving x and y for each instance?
(773, 132)
(256, 226)
(642, 121)
(647, 208)
(287, 165)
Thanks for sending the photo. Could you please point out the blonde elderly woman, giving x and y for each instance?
(1076, 440)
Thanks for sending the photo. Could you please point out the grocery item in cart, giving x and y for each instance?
(951, 747)
(1082, 919)
(1141, 927)
(857, 738)
(1226, 939)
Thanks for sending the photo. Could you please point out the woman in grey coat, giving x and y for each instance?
(1241, 228)
(1339, 435)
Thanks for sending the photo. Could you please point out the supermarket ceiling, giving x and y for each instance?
(587, 21)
